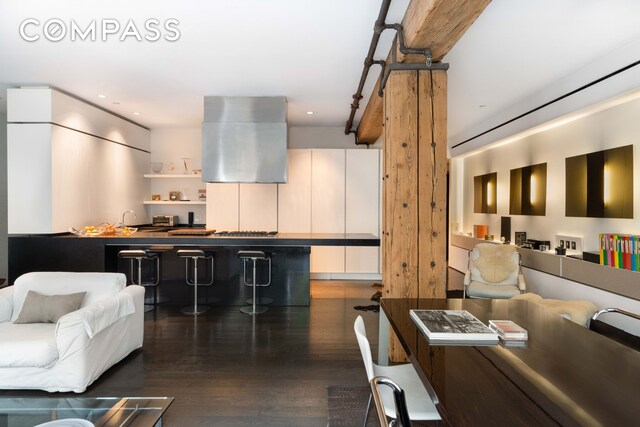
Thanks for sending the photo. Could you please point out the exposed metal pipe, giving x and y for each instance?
(386, 69)
(378, 28)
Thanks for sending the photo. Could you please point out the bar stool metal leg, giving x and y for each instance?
(195, 255)
(254, 309)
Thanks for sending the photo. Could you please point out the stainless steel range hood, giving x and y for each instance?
(244, 139)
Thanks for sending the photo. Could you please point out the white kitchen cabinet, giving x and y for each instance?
(361, 207)
(222, 206)
(294, 197)
(258, 207)
(328, 207)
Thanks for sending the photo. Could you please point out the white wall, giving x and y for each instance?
(3, 196)
(610, 128)
(171, 146)
(71, 164)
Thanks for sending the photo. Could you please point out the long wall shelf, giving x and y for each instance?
(616, 280)
(174, 175)
(177, 202)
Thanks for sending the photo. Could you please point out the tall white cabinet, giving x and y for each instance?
(327, 191)
(258, 204)
(328, 207)
(362, 213)
(294, 197)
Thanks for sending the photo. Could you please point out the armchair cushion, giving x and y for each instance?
(6, 303)
(483, 290)
(38, 308)
(32, 345)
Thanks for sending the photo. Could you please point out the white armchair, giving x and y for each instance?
(494, 271)
(71, 354)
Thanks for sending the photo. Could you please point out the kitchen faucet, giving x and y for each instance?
(126, 212)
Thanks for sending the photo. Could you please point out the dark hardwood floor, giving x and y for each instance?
(225, 368)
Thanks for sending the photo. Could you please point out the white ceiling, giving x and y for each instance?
(311, 52)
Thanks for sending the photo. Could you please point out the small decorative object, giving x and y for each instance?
(186, 164)
(202, 194)
(544, 248)
(156, 167)
(480, 231)
(196, 171)
(184, 195)
(172, 167)
(174, 196)
(521, 237)
(156, 197)
(561, 250)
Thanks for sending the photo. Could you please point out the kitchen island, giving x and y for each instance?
(289, 253)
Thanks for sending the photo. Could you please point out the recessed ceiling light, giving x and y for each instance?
(102, 96)
(135, 113)
(309, 112)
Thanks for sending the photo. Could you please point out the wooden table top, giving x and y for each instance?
(566, 375)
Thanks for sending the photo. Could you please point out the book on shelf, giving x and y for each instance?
(452, 326)
(508, 330)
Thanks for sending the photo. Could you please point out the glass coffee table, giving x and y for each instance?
(83, 411)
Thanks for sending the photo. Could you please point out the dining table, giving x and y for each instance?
(563, 374)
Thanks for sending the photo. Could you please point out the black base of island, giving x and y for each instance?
(290, 275)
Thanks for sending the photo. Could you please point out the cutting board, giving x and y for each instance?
(192, 232)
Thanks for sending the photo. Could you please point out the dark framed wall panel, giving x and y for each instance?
(485, 193)
(600, 184)
(528, 190)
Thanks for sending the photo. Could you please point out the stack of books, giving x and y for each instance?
(620, 251)
(508, 331)
(453, 327)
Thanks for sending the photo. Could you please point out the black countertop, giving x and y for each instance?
(282, 239)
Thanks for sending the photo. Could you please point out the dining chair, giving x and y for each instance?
(421, 402)
(402, 414)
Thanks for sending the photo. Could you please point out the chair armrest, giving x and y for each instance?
(521, 284)
(467, 278)
(76, 329)
(6, 303)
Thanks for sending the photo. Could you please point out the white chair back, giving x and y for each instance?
(365, 349)
(97, 286)
(494, 264)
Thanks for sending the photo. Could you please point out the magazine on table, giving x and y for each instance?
(452, 326)
(508, 330)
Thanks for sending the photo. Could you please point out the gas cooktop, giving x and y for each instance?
(246, 233)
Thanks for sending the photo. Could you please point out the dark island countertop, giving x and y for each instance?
(282, 239)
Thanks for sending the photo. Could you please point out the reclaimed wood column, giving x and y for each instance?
(414, 193)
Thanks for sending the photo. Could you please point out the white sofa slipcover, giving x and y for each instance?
(72, 353)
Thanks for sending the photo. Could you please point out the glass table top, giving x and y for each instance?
(83, 411)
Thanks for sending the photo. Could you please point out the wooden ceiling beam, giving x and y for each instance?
(436, 24)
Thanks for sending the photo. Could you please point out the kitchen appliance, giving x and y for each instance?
(164, 220)
(244, 139)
